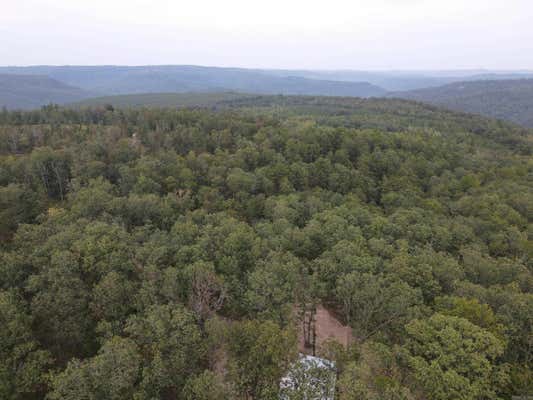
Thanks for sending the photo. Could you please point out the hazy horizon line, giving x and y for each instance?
(390, 70)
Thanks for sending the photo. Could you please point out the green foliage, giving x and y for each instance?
(22, 361)
(471, 309)
(272, 287)
(260, 353)
(158, 253)
(111, 374)
(172, 349)
(61, 307)
(206, 386)
(51, 169)
(18, 205)
(375, 304)
(452, 358)
(376, 375)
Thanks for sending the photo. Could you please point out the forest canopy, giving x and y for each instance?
(161, 253)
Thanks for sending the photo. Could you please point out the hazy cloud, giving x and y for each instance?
(406, 34)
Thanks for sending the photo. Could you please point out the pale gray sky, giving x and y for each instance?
(326, 34)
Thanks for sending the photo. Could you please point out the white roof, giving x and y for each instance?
(312, 377)
(316, 361)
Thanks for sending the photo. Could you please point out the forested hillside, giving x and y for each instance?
(162, 100)
(510, 100)
(170, 254)
(33, 91)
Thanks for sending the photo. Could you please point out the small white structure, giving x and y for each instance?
(309, 378)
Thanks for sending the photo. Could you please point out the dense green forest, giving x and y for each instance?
(164, 254)
(510, 100)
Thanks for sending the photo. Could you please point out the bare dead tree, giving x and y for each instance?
(207, 294)
(309, 326)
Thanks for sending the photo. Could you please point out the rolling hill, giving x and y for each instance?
(111, 80)
(32, 91)
(163, 100)
(495, 94)
(394, 81)
(510, 100)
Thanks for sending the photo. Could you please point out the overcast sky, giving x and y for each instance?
(326, 34)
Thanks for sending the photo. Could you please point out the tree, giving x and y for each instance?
(52, 169)
(376, 375)
(110, 375)
(172, 349)
(451, 358)
(259, 355)
(241, 181)
(23, 363)
(376, 304)
(434, 273)
(517, 318)
(92, 200)
(471, 309)
(207, 291)
(344, 257)
(272, 285)
(206, 386)
(113, 300)
(101, 248)
(60, 304)
(18, 205)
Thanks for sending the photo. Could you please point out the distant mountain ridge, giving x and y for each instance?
(393, 81)
(26, 92)
(474, 91)
(510, 100)
(110, 80)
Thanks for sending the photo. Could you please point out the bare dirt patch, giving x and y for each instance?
(324, 326)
